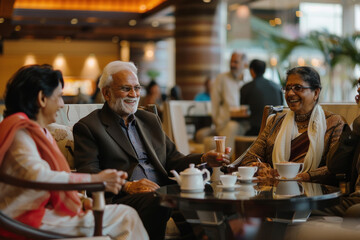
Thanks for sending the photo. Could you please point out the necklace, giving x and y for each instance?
(302, 117)
(303, 126)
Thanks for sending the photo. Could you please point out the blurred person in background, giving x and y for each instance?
(258, 93)
(175, 93)
(225, 93)
(205, 95)
(153, 96)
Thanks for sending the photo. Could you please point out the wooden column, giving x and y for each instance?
(198, 44)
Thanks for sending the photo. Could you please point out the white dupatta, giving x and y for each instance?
(288, 131)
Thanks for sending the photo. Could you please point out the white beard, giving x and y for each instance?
(121, 107)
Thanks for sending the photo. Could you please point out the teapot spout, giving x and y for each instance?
(177, 177)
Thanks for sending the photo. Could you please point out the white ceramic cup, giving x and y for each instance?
(228, 180)
(247, 172)
(289, 170)
(288, 189)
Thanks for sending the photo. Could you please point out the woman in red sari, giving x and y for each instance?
(304, 134)
(28, 151)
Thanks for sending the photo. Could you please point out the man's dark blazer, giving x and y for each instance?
(257, 94)
(100, 144)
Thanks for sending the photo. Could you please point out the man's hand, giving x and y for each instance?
(141, 186)
(215, 159)
(114, 179)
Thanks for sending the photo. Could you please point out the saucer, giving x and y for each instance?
(287, 179)
(247, 179)
(228, 188)
(191, 190)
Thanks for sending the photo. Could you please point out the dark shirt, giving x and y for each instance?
(145, 169)
(257, 94)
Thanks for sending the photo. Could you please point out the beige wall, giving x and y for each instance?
(75, 53)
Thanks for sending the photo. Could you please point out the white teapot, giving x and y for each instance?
(191, 179)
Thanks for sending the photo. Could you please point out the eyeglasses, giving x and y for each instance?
(127, 89)
(295, 88)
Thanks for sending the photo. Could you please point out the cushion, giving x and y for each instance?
(65, 141)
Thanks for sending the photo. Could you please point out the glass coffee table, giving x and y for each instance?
(275, 203)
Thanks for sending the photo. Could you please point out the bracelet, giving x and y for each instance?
(202, 160)
(126, 187)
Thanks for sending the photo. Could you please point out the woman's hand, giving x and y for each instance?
(304, 177)
(216, 159)
(141, 186)
(114, 179)
(87, 204)
(265, 170)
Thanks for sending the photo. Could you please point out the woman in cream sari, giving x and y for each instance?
(304, 134)
(28, 151)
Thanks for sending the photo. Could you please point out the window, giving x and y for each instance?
(320, 16)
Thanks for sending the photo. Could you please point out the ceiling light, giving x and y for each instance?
(155, 24)
(142, 7)
(30, 59)
(301, 61)
(315, 62)
(2, 20)
(243, 11)
(59, 61)
(132, 22)
(17, 28)
(149, 51)
(74, 21)
(207, 1)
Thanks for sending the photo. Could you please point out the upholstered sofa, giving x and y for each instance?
(62, 128)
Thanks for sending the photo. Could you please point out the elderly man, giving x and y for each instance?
(118, 136)
(225, 93)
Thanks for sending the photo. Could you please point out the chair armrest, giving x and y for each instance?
(15, 226)
(93, 187)
(22, 229)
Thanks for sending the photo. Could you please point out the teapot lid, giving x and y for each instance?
(191, 170)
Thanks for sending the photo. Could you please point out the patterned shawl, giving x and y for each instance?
(63, 202)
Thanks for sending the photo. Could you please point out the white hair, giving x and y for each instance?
(115, 67)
